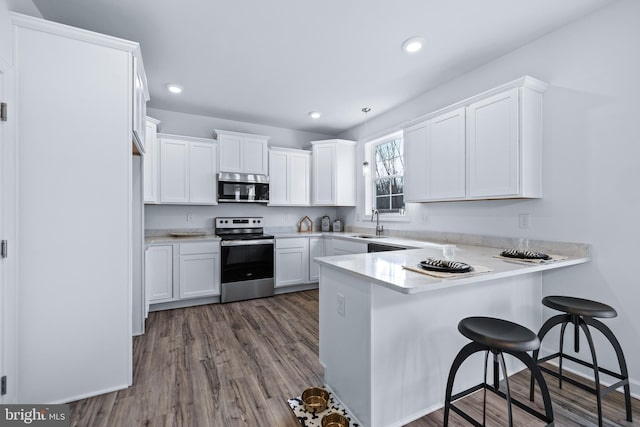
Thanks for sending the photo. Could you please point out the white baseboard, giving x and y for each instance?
(91, 394)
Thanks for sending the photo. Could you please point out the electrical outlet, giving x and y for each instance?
(523, 221)
(340, 304)
(189, 217)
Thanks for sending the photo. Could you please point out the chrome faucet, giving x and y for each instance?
(379, 227)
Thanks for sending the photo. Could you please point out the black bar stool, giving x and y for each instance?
(581, 313)
(496, 336)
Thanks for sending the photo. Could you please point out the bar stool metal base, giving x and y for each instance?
(582, 322)
(474, 347)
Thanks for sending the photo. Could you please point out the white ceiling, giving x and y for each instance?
(271, 62)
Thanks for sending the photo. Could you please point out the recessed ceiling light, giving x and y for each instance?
(315, 114)
(413, 45)
(174, 88)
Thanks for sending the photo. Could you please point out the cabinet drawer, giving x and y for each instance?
(199, 248)
(296, 242)
(347, 246)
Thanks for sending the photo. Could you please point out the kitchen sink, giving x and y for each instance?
(368, 236)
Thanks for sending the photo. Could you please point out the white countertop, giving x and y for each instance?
(385, 268)
(180, 239)
(389, 240)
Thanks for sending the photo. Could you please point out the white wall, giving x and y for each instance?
(591, 166)
(202, 126)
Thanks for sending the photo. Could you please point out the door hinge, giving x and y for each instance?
(3, 112)
(3, 385)
(4, 249)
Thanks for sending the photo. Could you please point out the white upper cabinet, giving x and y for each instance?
(446, 156)
(139, 102)
(151, 162)
(486, 147)
(188, 170)
(290, 177)
(202, 173)
(416, 138)
(243, 152)
(334, 173)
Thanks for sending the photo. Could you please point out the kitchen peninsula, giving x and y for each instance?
(388, 335)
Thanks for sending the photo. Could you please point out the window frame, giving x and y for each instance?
(370, 177)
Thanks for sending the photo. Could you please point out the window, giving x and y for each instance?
(387, 177)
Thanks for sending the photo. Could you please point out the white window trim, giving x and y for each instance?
(368, 181)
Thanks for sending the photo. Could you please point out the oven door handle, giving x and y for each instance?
(246, 242)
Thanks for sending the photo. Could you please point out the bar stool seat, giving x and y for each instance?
(579, 306)
(582, 313)
(497, 336)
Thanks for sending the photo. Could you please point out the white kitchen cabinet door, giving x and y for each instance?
(254, 156)
(230, 153)
(174, 171)
(334, 173)
(158, 266)
(202, 173)
(292, 261)
(299, 173)
(290, 177)
(151, 162)
(316, 249)
(199, 275)
(446, 156)
(416, 173)
(243, 152)
(324, 175)
(493, 146)
(278, 178)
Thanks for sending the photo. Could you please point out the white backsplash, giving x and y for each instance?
(179, 217)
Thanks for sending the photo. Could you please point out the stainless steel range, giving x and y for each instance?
(247, 259)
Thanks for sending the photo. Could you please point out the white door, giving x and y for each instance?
(202, 173)
(8, 227)
(254, 156)
(174, 171)
(199, 275)
(446, 161)
(316, 249)
(278, 179)
(230, 153)
(493, 146)
(291, 266)
(151, 164)
(158, 270)
(416, 180)
(299, 176)
(323, 175)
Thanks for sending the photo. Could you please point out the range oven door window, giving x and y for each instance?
(247, 262)
(242, 192)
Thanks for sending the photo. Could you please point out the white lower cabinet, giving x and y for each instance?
(158, 267)
(316, 249)
(292, 261)
(194, 271)
(199, 270)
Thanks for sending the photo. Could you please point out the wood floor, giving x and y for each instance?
(237, 364)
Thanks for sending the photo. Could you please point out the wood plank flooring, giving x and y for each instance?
(237, 364)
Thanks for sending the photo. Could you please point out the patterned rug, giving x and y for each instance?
(312, 419)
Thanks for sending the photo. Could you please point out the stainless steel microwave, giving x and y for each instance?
(242, 188)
